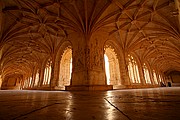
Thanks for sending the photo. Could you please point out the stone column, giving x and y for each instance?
(41, 74)
(88, 71)
(53, 70)
(124, 71)
(34, 71)
(151, 76)
(95, 63)
(79, 65)
(117, 72)
(54, 75)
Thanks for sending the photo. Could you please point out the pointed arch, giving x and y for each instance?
(133, 70)
(47, 73)
(65, 67)
(112, 64)
(64, 64)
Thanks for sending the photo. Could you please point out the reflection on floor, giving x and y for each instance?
(134, 104)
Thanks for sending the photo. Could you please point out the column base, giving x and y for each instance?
(88, 87)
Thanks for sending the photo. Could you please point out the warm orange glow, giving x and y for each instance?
(107, 69)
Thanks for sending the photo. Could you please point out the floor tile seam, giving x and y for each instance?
(35, 110)
(117, 109)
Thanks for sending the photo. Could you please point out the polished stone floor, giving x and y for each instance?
(132, 104)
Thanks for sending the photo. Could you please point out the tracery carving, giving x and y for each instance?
(78, 59)
(96, 53)
(65, 67)
(113, 61)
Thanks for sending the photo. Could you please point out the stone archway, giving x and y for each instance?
(112, 65)
(65, 67)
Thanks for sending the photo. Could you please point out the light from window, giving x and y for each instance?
(36, 79)
(107, 69)
(155, 77)
(146, 74)
(47, 74)
(65, 67)
(70, 68)
(160, 78)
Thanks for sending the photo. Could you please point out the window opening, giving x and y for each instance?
(47, 73)
(146, 74)
(111, 66)
(66, 67)
(155, 77)
(133, 70)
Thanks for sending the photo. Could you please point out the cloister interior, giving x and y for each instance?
(89, 44)
(65, 48)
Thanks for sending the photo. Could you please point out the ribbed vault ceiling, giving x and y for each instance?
(32, 30)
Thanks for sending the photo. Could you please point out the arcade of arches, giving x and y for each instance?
(89, 44)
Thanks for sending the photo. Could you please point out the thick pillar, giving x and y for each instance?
(53, 70)
(55, 76)
(56, 73)
(88, 71)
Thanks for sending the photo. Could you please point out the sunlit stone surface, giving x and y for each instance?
(134, 104)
